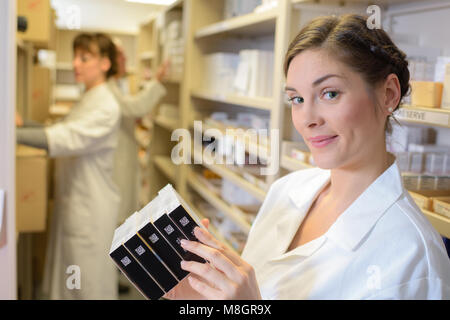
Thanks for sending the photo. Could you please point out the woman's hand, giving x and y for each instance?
(225, 277)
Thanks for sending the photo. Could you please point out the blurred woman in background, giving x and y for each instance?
(86, 198)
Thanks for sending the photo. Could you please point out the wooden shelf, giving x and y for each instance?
(292, 164)
(249, 102)
(167, 123)
(252, 24)
(211, 227)
(232, 212)
(226, 173)
(147, 55)
(424, 115)
(167, 167)
(439, 222)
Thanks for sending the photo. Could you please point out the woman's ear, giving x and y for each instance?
(105, 64)
(392, 93)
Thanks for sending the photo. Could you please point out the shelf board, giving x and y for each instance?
(250, 102)
(218, 235)
(232, 212)
(262, 152)
(167, 123)
(147, 55)
(439, 222)
(424, 115)
(292, 164)
(252, 24)
(226, 173)
(167, 167)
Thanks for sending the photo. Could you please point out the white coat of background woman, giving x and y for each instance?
(86, 197)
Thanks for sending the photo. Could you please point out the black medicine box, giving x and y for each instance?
(147, 249)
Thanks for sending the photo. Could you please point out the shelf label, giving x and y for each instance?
(424, 116)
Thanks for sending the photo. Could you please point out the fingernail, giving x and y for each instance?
(184, 242)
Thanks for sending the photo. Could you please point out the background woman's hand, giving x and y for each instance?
(225, 277)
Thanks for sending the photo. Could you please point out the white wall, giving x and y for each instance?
(8, 24)
(105, 15)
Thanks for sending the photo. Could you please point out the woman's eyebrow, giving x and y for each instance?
(317, 82)
(321, 79)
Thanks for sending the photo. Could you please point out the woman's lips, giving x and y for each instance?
(322, 141)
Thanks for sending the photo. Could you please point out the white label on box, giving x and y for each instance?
(2, 207)
(424, 116)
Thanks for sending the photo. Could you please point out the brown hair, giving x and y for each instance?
(370, 52)
(98, 43)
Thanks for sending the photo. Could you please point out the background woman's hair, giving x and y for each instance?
(370, 52)
(98, 43)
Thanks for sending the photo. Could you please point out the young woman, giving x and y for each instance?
(347, 229)
(86, 198)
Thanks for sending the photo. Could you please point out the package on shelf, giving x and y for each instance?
(445, 104)
(168, 111)
(416, 147)
(254, 76)
(440, 68)
(266, 5)
(426, 93)
(301, 155)
(235, 8)
(437, 163)
(239, 197)
(253, 121)
(402, 136)
(219, 72)
(421, 69)
(219, 116)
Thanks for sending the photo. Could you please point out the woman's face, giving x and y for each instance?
(333, 110)
(89, 68)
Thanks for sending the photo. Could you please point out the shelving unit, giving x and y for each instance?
(207, 32)
(161, 170)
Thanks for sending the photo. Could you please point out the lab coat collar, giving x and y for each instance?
(357, 220)
(354, 223)
(287, 224)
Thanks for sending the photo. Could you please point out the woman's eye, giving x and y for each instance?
(330, 95)
(296, 100)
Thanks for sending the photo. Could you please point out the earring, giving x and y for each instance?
(390, 110)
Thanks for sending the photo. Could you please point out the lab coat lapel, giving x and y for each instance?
(356, 222)
(301, 199)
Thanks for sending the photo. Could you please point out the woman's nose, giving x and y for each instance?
(310, 116)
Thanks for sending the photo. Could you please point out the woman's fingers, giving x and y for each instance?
(208, 239)
(215, 258)
(204, 289)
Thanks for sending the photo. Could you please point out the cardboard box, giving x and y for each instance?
(41, 26)
(40, 94)
(426, 93)
(31, 189)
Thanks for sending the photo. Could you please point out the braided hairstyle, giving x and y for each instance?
(370, 52)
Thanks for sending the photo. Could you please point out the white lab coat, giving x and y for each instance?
(126, 168)
(86, 200)
(381, 247)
